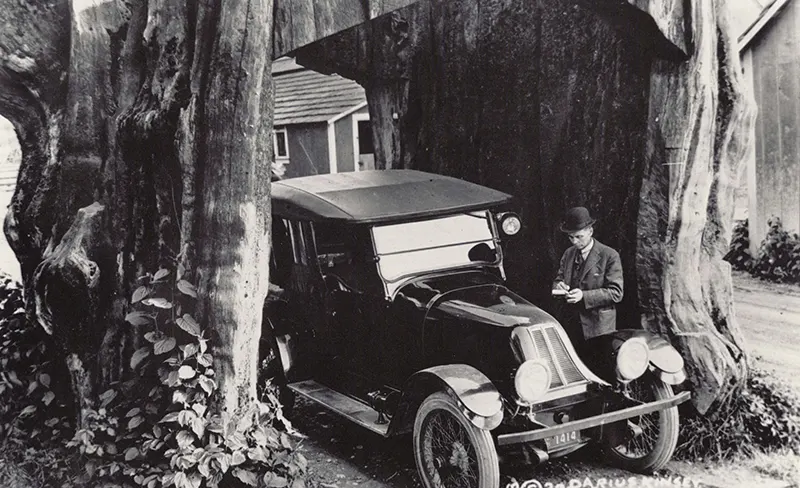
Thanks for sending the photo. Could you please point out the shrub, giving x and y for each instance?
(778, 257)
(765, 417)
(739, 253)
(36, 410)
(167, 433)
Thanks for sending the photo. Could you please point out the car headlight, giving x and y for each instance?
(633, 358)
(510, 223)
(532, 380)
(666, 358)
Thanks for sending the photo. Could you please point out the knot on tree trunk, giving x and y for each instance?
(66, 283)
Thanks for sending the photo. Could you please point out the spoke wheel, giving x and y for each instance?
(449, 450)
(653, 447)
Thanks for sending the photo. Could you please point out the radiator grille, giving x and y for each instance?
(551, 349)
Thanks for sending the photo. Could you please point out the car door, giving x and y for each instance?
(295, 306)
(353, 302)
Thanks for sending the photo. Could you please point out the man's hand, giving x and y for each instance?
(561, 286)
(575, 295)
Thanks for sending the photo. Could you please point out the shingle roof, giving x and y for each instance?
(304, 96)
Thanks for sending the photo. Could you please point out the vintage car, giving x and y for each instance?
(389, 308)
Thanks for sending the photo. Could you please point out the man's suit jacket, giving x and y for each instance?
(601, 283)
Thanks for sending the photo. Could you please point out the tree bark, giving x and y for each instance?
(699, 126)
(562, 106)
(145, 131)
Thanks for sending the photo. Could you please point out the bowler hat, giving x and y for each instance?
(576, 218)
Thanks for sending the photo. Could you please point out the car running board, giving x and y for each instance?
(349, 408)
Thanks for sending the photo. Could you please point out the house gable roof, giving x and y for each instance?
(303, 96)
(379, 196)
(750, 17)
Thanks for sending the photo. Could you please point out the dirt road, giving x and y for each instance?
(769, 316)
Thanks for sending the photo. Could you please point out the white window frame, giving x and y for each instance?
(285, 134)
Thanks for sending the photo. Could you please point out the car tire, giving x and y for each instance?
(451, 452)
(654, 447)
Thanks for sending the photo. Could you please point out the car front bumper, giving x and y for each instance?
(589, 422)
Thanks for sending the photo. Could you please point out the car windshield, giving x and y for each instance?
(430, 245)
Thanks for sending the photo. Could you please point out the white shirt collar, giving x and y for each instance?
(585, 250)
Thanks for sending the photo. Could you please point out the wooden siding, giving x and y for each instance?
(776, 71)
(308, 150)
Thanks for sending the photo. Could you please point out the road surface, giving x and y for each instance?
(769, 316)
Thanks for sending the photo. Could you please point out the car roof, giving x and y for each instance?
(378, 196)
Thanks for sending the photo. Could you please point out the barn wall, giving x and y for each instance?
(308, 150)
(776, 78)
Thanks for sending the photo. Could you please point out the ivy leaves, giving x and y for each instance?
(170, 436)
(34, 383)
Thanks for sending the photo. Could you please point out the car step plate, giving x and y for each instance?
(341, 404)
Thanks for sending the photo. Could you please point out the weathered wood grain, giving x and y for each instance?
(300, 22)
(160, 112)
(700, 121)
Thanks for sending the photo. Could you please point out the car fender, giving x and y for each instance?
(477, 396)
(665, 361)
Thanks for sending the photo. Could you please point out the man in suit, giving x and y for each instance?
(589, 279)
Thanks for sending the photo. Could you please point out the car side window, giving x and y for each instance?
(344, 253)
(281, 259)
(334, 245)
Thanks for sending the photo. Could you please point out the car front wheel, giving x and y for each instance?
(656, 433)
(449, 450)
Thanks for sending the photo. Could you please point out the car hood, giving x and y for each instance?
(475, 297)
(489, 304)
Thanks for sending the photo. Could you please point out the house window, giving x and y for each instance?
(281, 143)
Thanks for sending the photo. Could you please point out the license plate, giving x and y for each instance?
(563, 440)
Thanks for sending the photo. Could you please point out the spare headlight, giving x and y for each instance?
(532, 380)
(666, 358)
(632, 359)
(510, 223)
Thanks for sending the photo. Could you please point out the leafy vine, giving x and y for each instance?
(169, 434)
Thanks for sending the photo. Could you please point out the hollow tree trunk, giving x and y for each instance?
(145, 131)
(698, 137)
(562, 105)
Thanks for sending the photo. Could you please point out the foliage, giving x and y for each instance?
(169, 434)
(35, 408)
(778, 257)
(739, 253)
(765, 417)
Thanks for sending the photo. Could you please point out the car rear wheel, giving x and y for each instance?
(449, 450)
(653, 446)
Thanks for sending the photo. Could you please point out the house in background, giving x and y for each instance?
(321, 122)
(769, 44)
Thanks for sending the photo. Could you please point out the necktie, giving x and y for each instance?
(576, 270)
